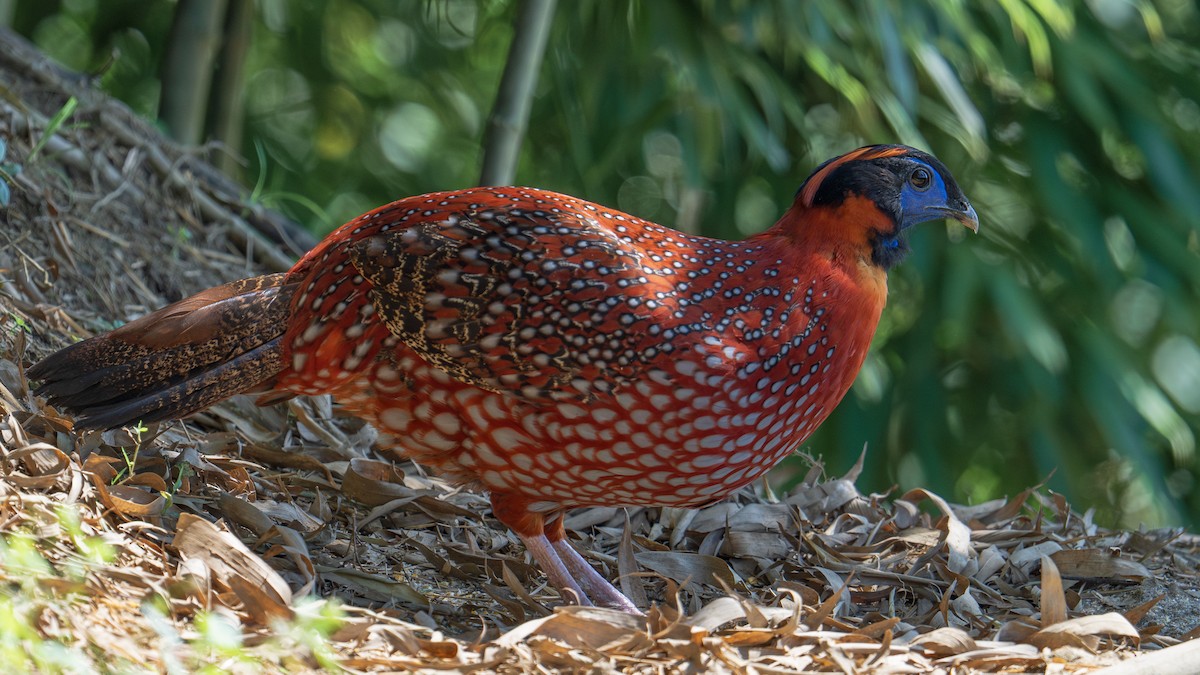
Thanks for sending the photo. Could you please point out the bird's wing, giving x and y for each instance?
(544, 306)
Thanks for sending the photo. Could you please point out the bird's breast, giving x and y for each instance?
(714, 414)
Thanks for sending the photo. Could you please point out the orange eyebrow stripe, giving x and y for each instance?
(868, 152)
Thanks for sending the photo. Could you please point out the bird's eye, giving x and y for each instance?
(921, 178)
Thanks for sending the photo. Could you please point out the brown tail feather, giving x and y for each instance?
(175, 361)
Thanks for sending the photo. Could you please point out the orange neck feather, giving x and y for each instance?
(842, 235)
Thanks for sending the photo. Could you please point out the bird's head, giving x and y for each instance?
(871, 196)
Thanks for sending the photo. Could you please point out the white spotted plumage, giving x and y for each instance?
(692, 426)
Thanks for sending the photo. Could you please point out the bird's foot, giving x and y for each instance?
(567, 571)
(598, 589)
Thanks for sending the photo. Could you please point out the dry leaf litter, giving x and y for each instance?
(127, 547)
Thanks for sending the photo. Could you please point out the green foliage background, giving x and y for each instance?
(1062, 339)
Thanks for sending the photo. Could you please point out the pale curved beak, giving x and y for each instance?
(967, 217)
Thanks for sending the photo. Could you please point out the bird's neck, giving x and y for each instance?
(831, 288)
(839, 241)
(830, 298)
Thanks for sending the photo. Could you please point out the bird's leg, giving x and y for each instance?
(513, 511)
(565, 569)
(557, 573)
(597, 588)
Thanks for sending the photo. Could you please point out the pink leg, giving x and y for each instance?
(565, 569)
(595, 586)
(557, 573)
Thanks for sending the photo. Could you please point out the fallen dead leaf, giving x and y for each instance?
(230, 561)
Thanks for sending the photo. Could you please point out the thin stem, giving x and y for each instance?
(188, 67)
(227, 104)
(510, 115)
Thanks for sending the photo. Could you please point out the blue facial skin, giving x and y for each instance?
(919, 205)
(923, 198)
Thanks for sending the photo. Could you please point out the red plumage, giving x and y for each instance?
(552, 351)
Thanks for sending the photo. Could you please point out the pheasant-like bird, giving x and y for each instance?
(549, 350)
